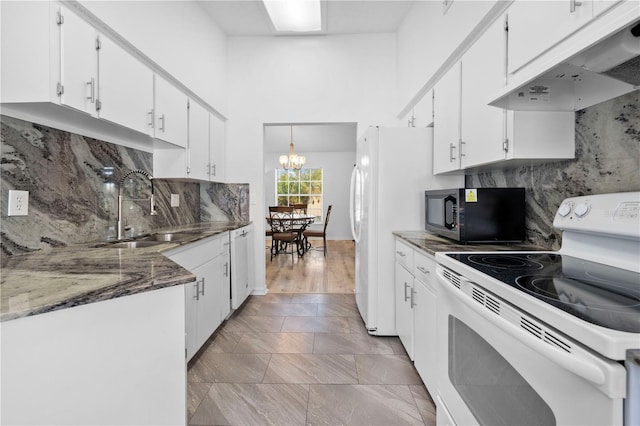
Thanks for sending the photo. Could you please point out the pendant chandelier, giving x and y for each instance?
(292, 161)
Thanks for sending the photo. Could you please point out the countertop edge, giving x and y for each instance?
(132, 281)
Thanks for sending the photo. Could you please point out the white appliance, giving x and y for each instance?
(393, 169)
(545, 337)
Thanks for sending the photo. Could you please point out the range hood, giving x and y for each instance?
(603, 69)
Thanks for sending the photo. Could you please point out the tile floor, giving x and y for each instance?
(304, 359)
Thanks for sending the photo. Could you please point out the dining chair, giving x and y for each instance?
(282, 232)
(311, 233)
(299, 208)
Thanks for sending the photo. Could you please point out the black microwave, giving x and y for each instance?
(476, 215)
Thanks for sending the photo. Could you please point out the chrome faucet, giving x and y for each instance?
(153, 211)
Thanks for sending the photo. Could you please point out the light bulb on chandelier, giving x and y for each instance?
(292, 161)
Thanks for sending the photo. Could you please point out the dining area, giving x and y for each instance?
(288, 229)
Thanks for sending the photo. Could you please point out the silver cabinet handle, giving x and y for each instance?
(151, 119)
(424, 271)
(462, 154)
(162, 120)
(92, 96)
(573, 4)
(451, 148)
(214, 169)
(413, 298)
(406, 286)
(197, 287)
(202, 293)
(400, 253)
(226, 269)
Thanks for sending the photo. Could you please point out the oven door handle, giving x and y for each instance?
(579, 363)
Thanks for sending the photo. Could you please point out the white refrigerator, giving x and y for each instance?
(393, 169)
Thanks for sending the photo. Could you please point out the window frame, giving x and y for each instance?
(279, 171)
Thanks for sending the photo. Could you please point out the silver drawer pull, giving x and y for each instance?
(424, 271)
(406, 286)
(399, 253)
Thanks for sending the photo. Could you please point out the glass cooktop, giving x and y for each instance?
(597, 293)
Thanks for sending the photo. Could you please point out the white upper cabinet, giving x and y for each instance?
(446, 121)
(198, 151)
(217, 133)
(469, 133)
(125, 88)
(483, 73)
(535, 26)
(29, 36)
(78, 63)
(169, 113)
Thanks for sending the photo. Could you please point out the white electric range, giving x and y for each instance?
(546, 337)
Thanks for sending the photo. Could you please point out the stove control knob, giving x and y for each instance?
(582, 209)
(564, 209)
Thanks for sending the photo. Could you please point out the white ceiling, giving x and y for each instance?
(249, 17)
(325, 137)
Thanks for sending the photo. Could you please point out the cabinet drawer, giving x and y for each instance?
(404, 255)
(424, 267)
(195, 254)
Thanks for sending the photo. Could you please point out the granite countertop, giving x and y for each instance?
(49, 280)
(432, 243)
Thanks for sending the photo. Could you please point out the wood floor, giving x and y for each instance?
(313, 273)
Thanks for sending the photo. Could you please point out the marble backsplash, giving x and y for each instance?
(73, 184)
(607, 160)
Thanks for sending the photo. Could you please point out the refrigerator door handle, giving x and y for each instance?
(352, 202)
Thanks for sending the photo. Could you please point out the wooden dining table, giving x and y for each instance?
(297, 222)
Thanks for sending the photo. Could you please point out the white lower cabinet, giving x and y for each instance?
(207, 300)
(415, 295)
(404, 308)
(404, 295)
(241, 265)
(424, 317)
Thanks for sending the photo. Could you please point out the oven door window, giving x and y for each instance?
(491, 388)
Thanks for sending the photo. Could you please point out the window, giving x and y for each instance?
(302, 186)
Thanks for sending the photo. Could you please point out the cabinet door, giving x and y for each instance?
(217, 148)
(425, 336)
(78, 63)
(191, 318)
(170, 113)
(446, 122)
(208, 312)
(535, 26)
(198, 142)
(483, 74)
(404, 312)
(240, 272)
(125, 88)
(224, 287)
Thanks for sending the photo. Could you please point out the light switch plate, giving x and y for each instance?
(175, 200)
(18, 203)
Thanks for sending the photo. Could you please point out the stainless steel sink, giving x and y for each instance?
(132, 244)
(176, 236)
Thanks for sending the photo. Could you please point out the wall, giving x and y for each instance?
(73, 186)
(323, 79)
(337, 167)
(607, 160)
(179, 36)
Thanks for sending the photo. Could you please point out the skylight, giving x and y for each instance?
(294, 15)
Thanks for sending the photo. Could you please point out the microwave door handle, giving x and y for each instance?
(579, 363)
(449, 201)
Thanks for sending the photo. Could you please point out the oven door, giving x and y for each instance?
(498, 366)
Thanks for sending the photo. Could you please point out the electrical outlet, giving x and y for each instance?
(175, 200)
(18, 203)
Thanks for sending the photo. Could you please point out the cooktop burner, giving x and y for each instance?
(600, 294)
